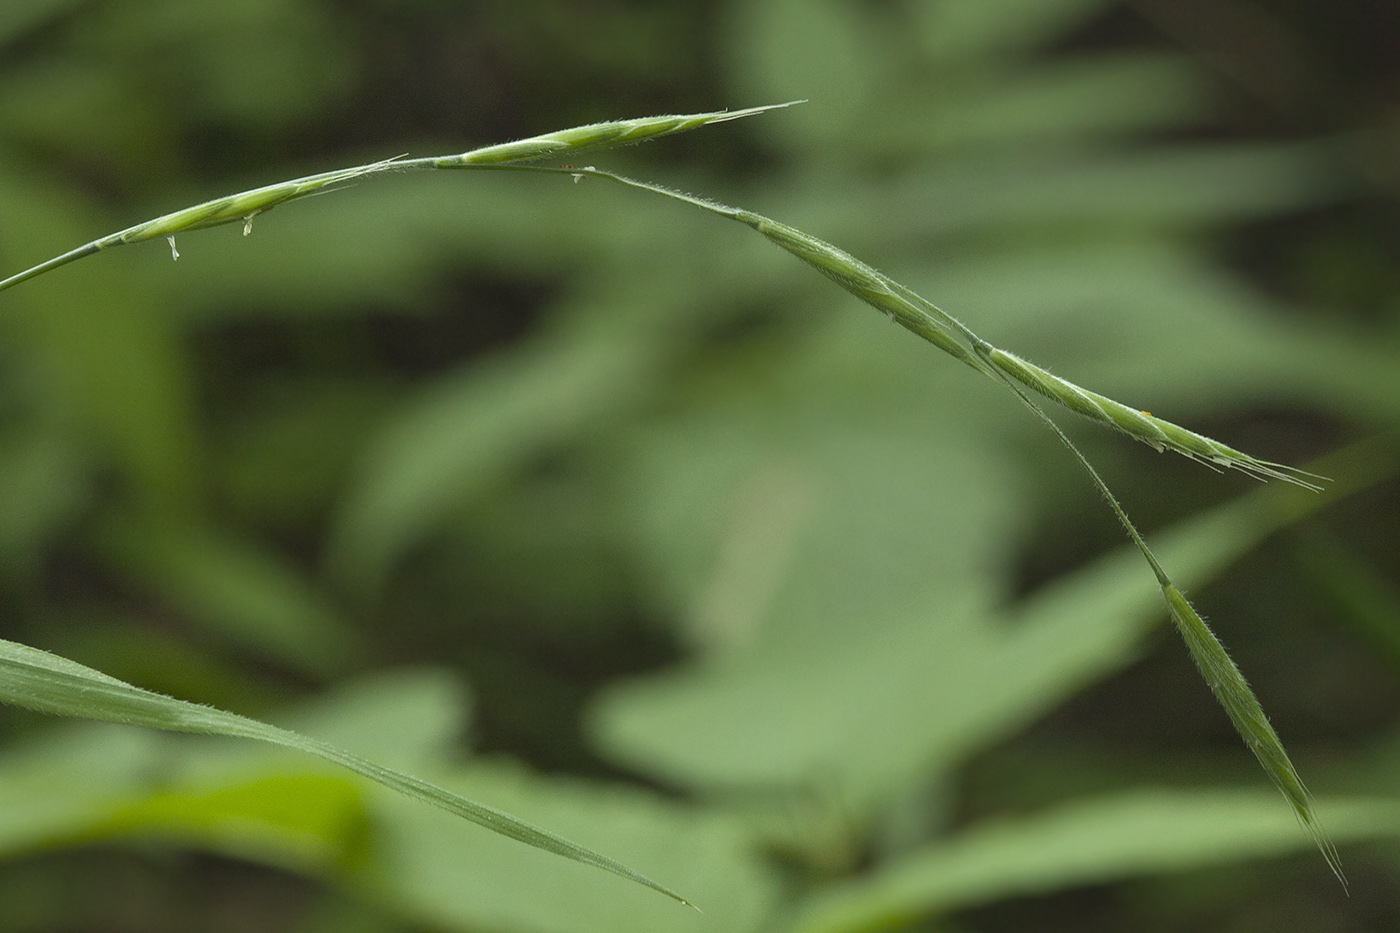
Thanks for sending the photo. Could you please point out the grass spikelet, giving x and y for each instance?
(1234, 694)
(1155, 432)
(244, 205)
(594, 136)
(1221, 674)
(871, 286)
(950, 335)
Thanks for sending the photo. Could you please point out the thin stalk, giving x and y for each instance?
(922, 317)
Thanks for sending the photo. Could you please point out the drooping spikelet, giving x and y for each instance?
(1151, 430)
(1234, 694)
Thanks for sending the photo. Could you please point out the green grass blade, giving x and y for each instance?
(594, 136)
(48, 683)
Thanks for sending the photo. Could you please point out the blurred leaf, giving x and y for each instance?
(971, 30)
(867, 708)
(57, 787)
(1363, 597)
(1097, 840)
(1064, 103)
(304, 822)
(112, 367)
(20, 15)
(821, 50)
(245, 63)
(239, 592)
(45, 483)
(467, 432)
(284, 452)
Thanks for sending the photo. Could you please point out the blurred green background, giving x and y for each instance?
(608, 513)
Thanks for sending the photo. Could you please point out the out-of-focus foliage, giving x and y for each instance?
(749, 589)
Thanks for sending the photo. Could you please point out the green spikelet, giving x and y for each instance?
(1234, 694)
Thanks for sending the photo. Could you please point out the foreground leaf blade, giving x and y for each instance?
(48, 683)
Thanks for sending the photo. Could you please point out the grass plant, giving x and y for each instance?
(45, 682)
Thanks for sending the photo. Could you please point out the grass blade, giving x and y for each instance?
(48, 683)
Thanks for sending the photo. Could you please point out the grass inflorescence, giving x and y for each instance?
(899, 303)
(245, 205)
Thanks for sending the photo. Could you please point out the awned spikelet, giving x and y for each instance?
(1143, 426)
(594, 136)
(243, 206)
(1234, 694)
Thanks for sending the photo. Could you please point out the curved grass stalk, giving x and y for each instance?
(922, 317)
(245, 205)
(48, 683)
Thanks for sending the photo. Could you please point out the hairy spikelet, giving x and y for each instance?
(873, 287)
(1234, 694)
(242, 206)
(593, 136)
(1153, 431)
(245, 205)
